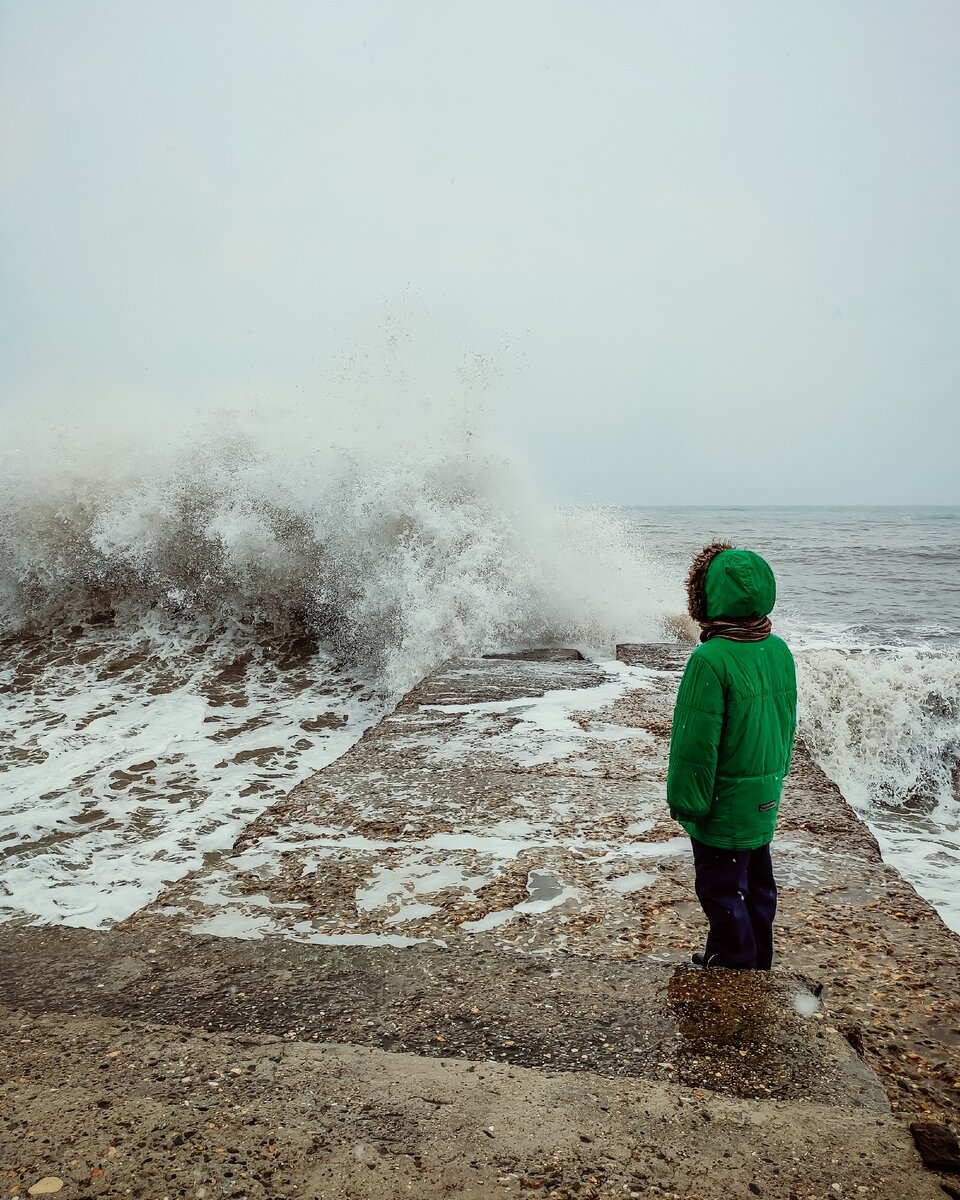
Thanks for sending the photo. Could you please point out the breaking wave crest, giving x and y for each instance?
(396, 542)
(885, 725)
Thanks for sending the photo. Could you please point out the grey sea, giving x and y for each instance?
(847, 576)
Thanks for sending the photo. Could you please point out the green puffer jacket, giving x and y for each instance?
(735, 717)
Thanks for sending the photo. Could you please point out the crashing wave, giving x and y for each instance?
(885, 724)
(397, 542)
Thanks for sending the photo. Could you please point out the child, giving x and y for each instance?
(731, 745)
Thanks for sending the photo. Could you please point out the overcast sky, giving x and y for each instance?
(712, 248)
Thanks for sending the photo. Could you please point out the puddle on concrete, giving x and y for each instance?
(542, 885)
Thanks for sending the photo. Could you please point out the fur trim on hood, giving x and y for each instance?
(696, 580)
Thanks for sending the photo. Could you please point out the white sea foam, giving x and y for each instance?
(544, 729)
(885, 726)
(128, 757)
(887, 721)
(633, 882)
(398, 537)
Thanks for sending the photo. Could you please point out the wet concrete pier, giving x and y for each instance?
(454, 963)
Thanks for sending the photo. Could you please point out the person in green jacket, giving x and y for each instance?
(731, 746)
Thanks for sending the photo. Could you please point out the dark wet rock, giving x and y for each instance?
(854, 1035)
(937, 1145)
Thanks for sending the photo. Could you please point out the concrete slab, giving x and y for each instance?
(507, 823)
(398, 844)
(747, 1035)
(117, 1109)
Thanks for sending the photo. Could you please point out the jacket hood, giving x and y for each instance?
(726, 582)
(739, 583)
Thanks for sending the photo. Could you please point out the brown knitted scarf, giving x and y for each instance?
(749, 629)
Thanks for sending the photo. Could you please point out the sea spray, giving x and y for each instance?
(199, 610)
(885, 726)
(397, 548)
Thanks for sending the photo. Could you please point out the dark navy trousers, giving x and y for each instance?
(738, 894)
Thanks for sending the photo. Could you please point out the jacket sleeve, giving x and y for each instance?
(791, 745)
(793, 720)
(697, 725)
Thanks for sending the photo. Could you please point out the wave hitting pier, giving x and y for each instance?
(454, 962)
